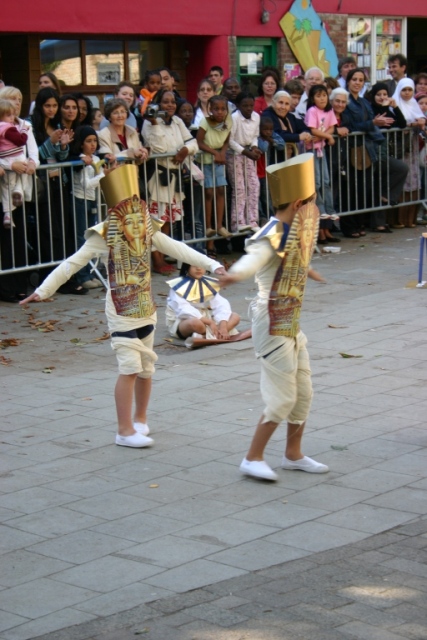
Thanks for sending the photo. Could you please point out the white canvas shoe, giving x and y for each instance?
(304, 464)
(136, 440)
(257, 469)
(141, 427)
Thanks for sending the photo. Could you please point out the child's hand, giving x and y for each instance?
(331, 140)
(108, 169)
(31, 167)
(56, 136)
(211, 324)
(221, 157)
(214, 329)
(315, 275)
(223, 331)
(180, 155)
(252, 154)
(305, 136)
(19, 167)
(2, 171)
(227, 278)
(342, 131)
(32, 298)
(86, 159)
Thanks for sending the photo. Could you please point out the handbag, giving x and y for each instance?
(360, 158)
(291, 149)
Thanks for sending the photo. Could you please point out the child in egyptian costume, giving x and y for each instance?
(196, 308)
(124, 241)
(279, 257)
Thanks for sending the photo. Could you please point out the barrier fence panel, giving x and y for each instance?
(356, 175)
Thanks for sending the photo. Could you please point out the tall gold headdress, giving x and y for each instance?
(291, 180)
(120, 184)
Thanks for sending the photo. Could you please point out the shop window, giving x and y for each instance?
(63, 58)
(252, 56)
(92, 63)
(372, 40)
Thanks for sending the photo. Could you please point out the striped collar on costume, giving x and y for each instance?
(274, 222)
(193, 289)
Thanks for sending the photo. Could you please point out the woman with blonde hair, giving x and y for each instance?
(13, 246)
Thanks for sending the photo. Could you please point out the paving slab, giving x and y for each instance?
(107, 537)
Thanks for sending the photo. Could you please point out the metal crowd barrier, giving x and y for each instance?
(47, 231)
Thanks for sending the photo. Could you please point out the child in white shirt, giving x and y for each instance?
(195, 308)
(241, 164)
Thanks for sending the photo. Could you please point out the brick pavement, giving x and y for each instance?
(98, 541)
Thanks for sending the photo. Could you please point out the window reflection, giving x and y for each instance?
(63, 58)
(250, 63)
(104, 62)
(144, 55)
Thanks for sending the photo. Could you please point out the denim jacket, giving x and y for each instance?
(358, 116)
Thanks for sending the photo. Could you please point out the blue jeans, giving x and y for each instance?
(323, 185)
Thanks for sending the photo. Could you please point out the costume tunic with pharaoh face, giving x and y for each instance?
(128, 231)
(295, 250)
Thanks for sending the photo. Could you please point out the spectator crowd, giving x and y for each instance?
(202, 166)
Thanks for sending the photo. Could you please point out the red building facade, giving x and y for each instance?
(94, 44)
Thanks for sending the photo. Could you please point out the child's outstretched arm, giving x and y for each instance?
(184, 253)
(94, 246)
(258, 255)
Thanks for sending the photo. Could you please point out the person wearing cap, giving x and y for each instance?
(279, 257)
(124, 242)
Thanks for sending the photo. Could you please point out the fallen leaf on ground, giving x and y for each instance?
(153, 486)
(336, 447)
(9, 342)
(337, 326)
(78, 342)
(101, 338)
(48, 369)
(5, 361)
(43, 326)
(86, 398)
(349, 355)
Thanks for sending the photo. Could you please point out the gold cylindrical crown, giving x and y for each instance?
(291, 180)
(120, 184)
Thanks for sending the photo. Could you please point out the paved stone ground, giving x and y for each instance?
(103, 542)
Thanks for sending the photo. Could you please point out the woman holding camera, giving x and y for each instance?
(165, 133)
(118, 141)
